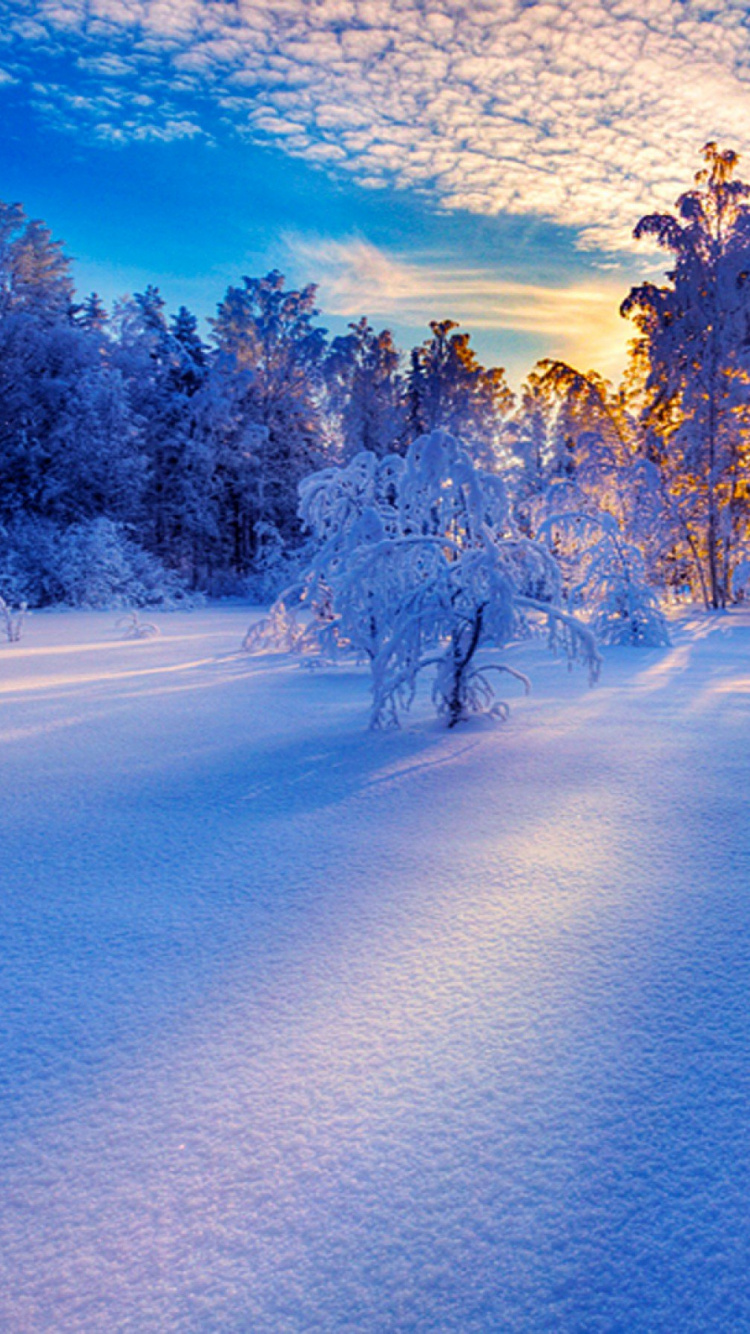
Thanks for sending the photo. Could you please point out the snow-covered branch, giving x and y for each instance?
(12, 620)
(420, 576)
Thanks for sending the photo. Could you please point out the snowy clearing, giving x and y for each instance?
(308, 1028)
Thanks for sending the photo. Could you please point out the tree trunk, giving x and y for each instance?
(460, 664)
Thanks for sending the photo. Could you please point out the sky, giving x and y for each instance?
(418, 159)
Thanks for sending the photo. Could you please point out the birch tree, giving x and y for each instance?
(694, 336)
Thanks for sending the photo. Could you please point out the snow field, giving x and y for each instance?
(308, 1028)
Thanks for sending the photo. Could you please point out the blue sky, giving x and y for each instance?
(484, 162)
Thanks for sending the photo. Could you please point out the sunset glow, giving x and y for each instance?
(485, 163)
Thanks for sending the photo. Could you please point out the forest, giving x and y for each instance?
(141, 463)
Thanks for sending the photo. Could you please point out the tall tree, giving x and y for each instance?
(574, 442)
(270, 360)
(92, 314)
(365, 386)
(694, 336)
(166, 366)
(66, 433)
(449, 389)
(34, 270)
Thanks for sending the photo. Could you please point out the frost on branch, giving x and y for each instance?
(415, 570)
(282, 630)
(134, 628)
(608, 580)
(12, 620)
(741, 581)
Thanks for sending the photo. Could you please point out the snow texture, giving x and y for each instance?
(306, 1028)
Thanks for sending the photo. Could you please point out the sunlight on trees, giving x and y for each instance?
(693, 352)
(415, 571)
(141, 464)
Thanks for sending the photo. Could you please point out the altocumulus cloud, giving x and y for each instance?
(579, 111)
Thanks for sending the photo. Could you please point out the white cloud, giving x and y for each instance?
(586, 113)
(580, 323)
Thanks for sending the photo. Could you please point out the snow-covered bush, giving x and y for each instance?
(415, 570)
(29, 557)
(101, 566)
(134, 628)
(741, 581)
(277, 564)
(284, 629)
(90, 564)
(608, 583)
(12, 619)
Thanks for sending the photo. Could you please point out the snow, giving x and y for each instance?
(306, 1028)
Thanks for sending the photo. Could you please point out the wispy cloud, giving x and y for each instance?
(581, 111)
(579, 323)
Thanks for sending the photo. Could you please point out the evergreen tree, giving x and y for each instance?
(448, 389)
(166, 365)
(269, 370)
(35, 274)
(365, 389)
(66, 432)
(92, 314)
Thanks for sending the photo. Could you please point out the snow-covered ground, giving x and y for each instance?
(305, 1028)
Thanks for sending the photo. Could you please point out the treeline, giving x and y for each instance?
(138, 460)
(124, 432)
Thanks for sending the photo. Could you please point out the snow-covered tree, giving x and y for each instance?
(12, 619)
(607, 580)
(269, 372)
(583, 488)
(92, 314)
(68, 439)
(34, 271)
(573, 445)
(366, 390)
(448, 389)
(694, 337)
(165, 366)
(92, 563)
(415, 571)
